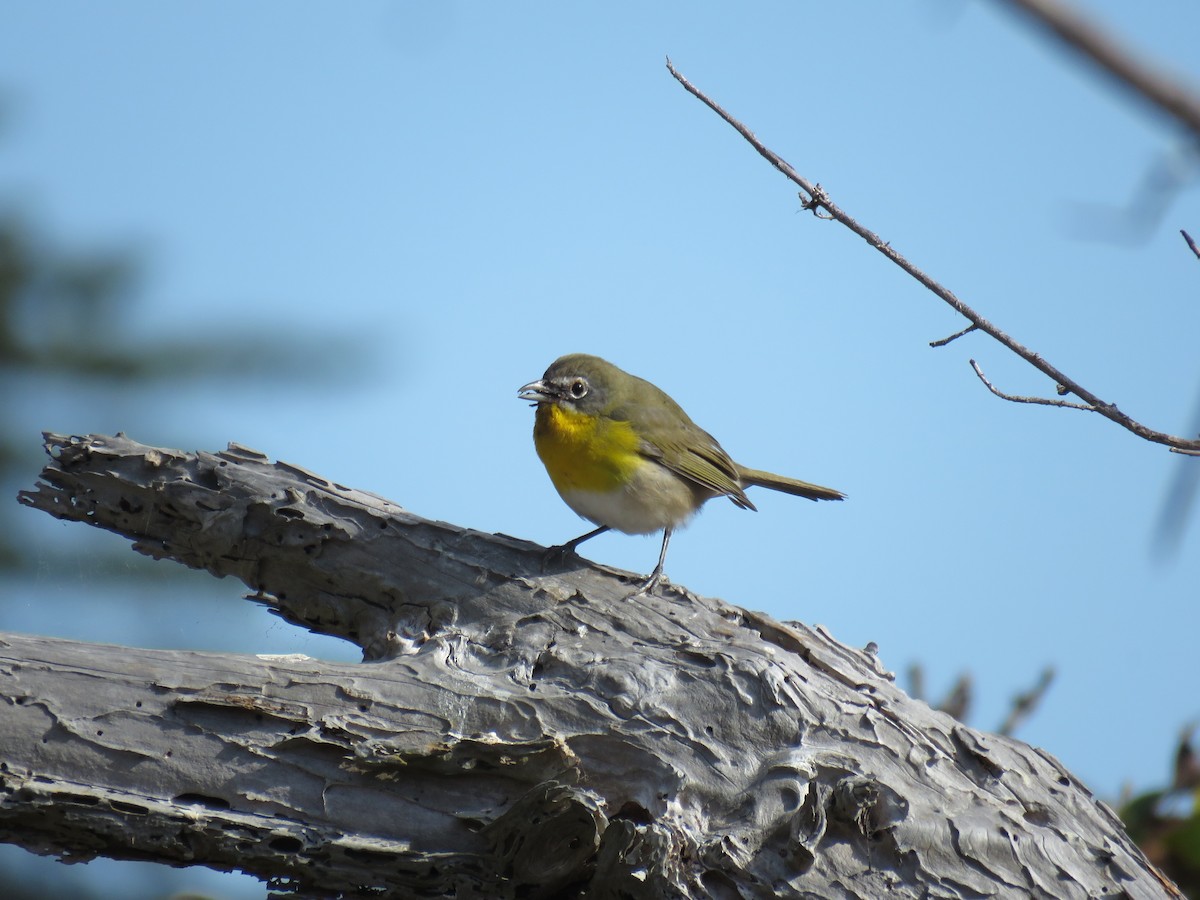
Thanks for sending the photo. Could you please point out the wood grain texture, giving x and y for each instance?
(513, 733)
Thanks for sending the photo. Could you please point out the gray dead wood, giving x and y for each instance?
(513, 733)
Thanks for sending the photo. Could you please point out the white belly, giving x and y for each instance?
(654, 499)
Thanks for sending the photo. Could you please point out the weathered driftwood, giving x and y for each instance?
(514, 733)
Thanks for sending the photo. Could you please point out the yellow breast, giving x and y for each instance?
(583, 452)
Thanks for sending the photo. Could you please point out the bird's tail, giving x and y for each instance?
(787, 485)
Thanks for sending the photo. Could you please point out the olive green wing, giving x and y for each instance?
(672, 439)
(707, 464)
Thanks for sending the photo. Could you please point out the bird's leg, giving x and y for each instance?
(656, 576)
(561, 550)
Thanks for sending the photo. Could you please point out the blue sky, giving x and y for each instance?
(465, 191)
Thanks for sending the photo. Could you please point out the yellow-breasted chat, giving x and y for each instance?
(624, 455)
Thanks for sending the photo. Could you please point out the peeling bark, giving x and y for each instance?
(512, 733)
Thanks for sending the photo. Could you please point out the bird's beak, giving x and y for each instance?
(536, 392)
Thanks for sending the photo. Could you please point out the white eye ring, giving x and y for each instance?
(579, 388)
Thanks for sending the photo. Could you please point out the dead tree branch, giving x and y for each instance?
(814, 198)
(1157, 89)
(1026, 702)
(1127, 70)
(1015, 398)
(942, 342)
(518, 733)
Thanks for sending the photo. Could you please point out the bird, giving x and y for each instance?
(625, 456)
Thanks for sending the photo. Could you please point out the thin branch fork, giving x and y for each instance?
(1014, 398)
(817, 199)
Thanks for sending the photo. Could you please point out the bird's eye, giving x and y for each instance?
(579, 388)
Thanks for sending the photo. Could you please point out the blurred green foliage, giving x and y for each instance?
(1165, 822)
(65, 320)
(68, 329)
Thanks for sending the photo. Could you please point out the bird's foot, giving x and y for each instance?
(560, 552)
(654, 580)
(555, 556)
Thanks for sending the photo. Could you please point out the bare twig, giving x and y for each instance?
(916, 681)
(1024, 704)
(1040, 401)
(1187, 762)
(958, 702)
(954, 337)
(1125, 67)
(1180, 499)
(1191, 243)
(1163, 181)
(817, 197)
